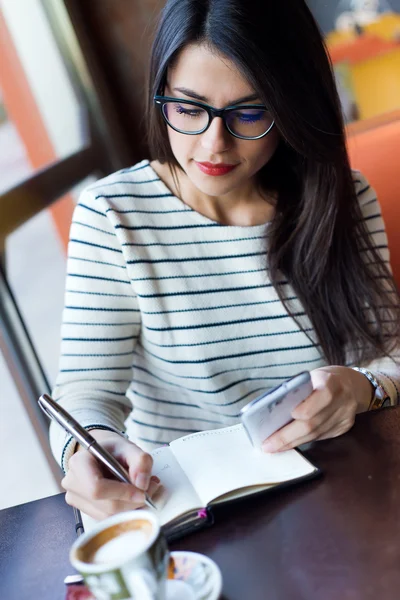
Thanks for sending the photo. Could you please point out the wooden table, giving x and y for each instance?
(335, 538)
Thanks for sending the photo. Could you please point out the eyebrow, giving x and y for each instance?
(196, 96)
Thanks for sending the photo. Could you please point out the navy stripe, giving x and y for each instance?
(158, 443)
(226, 371)
(96, 369)
(369, 202)
(146, 212)
(101, 309)
(96, 262)
(126, 323)
(92, 227)
(211, 291)
(126, 181)
(226, 387)
(377, 231)
(114, 393)
(96, 379)
(102, 355)
(116, 339)
(376, 216)
(195, 242)
(197, 276)
(224, 323)
(174, 385)
(377, 247)
(191, 405)
(213, 404)
(157, 414)
(225, 340)
(86, 207)
(201, 308)
(147, 196)
(164, 427)
(85, 243)
(98, 278)
(167, 228)
(363, 190)
(187, 259)
(104, 294)
(163, 401)
(229, 356)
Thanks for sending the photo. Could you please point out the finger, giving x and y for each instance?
(82, 467)
(289, 435)
(332, 427)
(84, 505)
(139, 465)
(319, 400)
(85, 478)
(154, 486)
(101, 509)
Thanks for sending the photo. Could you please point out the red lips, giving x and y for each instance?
(214, 169)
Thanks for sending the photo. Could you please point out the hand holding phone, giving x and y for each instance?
(273, 410)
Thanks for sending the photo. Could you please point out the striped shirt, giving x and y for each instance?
(171, 324)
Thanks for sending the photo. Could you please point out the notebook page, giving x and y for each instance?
(177, 495)
(222, 460)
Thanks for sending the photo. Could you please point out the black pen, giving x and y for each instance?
(83, 437)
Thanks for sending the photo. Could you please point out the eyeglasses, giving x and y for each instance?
(246, 122)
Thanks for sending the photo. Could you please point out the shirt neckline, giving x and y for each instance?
(198, 216)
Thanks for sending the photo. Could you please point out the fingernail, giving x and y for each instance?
(142, 481)
(155, 479)
(138, 497)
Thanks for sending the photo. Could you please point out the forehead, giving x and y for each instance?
(207, 72)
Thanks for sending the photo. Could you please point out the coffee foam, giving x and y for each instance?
(131, 544)
(117, 543)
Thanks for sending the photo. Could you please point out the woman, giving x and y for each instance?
(245, 252)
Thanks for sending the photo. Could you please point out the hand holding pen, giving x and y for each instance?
(87, 486)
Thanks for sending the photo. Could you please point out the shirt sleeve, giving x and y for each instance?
(386, 369)
(100, 328)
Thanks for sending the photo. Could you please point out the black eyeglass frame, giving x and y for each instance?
(212, 112)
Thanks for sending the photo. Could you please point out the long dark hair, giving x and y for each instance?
(318, 239)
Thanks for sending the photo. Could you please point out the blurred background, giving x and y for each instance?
(72, 79)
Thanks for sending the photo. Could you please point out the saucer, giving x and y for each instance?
(196, 577)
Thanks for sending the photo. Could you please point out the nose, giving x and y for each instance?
(216, 139)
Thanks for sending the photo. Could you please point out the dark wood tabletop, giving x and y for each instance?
(332, 538)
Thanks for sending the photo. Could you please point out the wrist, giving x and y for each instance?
(365, 392)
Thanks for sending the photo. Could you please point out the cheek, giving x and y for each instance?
(261, 151)
(181, 145)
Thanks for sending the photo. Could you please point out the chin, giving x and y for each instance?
(214, 186)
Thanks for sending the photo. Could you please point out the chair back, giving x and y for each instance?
(374, 149)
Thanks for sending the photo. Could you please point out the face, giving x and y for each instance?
(199, 71)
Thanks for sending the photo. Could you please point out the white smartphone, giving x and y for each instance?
(272, 411)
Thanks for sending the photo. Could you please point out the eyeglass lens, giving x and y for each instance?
(246, 122)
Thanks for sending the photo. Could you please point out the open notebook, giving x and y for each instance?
(211, 467)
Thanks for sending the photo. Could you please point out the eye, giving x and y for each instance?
(189, 112)
(250, 117)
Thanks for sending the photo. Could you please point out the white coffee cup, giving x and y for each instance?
(124, 557)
